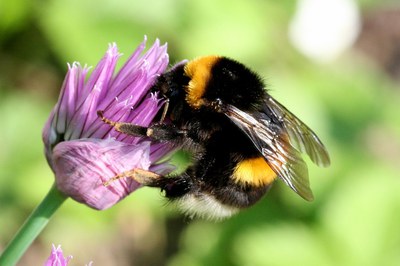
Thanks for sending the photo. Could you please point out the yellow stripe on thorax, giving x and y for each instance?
(199, 72)
(255, 171)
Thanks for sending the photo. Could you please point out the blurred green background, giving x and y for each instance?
(351, 101)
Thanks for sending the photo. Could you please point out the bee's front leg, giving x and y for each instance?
(157, 131)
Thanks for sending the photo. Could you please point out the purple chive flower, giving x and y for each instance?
(83, 151)
(56, 257)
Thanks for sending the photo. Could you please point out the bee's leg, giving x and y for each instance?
(141, 176)
(157, 131)
(173, 187)
(126, 128)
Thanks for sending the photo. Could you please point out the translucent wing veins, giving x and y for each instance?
(300, 135)
(280, 137)
(281, 156)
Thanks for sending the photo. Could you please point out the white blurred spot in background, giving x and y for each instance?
(323, 29)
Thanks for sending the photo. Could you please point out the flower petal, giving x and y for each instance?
(93, 94)
(82, 166)
(56, 257)
(83, 151)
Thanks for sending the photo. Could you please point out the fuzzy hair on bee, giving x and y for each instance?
(241, 138)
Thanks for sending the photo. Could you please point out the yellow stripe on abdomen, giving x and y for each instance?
(254, 171)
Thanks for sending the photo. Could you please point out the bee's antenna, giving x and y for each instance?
(165, 110)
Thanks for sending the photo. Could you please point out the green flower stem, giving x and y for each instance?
(32, 227)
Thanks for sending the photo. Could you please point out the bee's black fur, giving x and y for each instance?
(223, 144)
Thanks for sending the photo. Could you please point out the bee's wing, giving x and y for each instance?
(273, 143)
(300, 135)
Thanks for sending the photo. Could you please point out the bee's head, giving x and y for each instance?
(171, 82)
(215, 78)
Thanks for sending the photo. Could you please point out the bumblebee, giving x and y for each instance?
(240, 137)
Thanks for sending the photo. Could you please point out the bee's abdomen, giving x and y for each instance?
(254, 172)
(240, 195)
